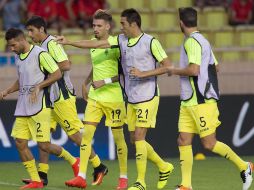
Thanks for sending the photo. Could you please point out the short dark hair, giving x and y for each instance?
(132, 15)
(37, 22)
(102, 14)
(188, 16)
(13, 33)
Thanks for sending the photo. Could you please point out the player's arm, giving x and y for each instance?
(13, 88)
(46, 63)
(194, 53)
(191, 70)
(100, 83)
(59, 55)
(161, 57)
(85, 44)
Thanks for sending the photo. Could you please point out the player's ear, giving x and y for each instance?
(108, 26)
(42, 29)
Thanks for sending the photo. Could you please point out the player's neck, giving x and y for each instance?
(27, 47)
(188, 31)
(105, 37)
(136, 33)
(43, 37)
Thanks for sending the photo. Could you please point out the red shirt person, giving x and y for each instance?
(44, 8)
(241, 12)
(70, 12)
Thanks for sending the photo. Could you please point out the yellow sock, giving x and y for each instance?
(67, 156)
(95, 161)
(85, 147)
(32, 170)
(122, 151)
(154, 157)
(141, 160)
(186, 162)
(43, 168)
(225, 151)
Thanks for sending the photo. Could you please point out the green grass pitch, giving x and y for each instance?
(214, 173)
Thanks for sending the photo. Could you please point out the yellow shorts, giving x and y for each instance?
(115, 112)
(65, 113)
(201, 119)
(142, 114)
(35, 127)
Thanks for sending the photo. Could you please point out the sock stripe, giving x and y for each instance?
(168, 172)
(139, 185)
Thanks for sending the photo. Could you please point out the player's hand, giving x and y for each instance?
(61, 40)
(84, 92)
(34, 95)
(136, 73)
(98, 84)
(3, 94)
(170, 70)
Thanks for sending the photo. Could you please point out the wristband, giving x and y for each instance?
(108, 80)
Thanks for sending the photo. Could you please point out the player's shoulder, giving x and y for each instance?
(38, 49)
(191, 42)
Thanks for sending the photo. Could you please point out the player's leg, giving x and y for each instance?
(137, 135)
(187, 129)
(115, 117)
(165, 168)
(186, 159)
(93, 159)
(65, 113)
(22, 134)
(246, 168)
(208, 122)
(43, 166)
(85, 151)
(145, 116)
(122, 155)
(93, 115)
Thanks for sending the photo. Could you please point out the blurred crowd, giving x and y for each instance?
(78, 13)
(57, 13)
(240, 12)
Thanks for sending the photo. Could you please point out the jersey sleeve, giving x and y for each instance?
(47, 62)
(57, 52)
(113, 42)
(193, 50)
(157, 50)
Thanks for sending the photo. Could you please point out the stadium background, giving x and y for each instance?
(234, 49)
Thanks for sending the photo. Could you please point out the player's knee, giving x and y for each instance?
(208, 145)
(182, 141)
(76, 138)
(44, 146)
(140, 135)
(21, 144)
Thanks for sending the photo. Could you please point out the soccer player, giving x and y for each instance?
(199, 95)
(63, 95)
(138, 52)
(36, 71)
(105, 101)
